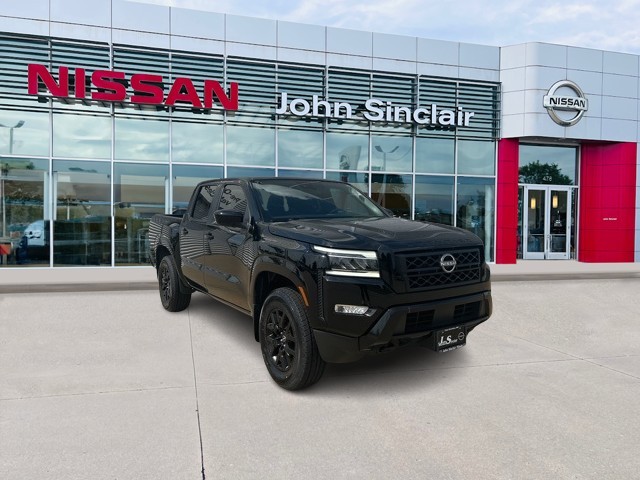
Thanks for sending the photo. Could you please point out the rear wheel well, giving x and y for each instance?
(266, 283)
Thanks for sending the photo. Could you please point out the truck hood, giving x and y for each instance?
(374, 233)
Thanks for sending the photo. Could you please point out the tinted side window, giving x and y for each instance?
(202, 204)
(233, 198)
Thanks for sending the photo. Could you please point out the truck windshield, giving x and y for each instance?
(284, 199)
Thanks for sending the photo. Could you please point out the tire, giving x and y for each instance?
(171, 297)
(288, 346)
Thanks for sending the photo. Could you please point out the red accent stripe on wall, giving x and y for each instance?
(607, 202)
(507, 201)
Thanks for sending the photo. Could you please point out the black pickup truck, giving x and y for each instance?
(326, 274)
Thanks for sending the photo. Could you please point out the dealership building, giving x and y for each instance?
(111, 111)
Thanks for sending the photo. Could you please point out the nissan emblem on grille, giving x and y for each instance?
(448, 262)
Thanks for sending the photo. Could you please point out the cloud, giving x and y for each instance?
(588, 23)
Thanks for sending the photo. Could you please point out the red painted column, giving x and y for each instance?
(507, 201)
(607, 202)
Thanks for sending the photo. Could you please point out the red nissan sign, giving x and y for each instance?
(111, 86)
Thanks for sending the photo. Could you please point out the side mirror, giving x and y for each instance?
(229, 218)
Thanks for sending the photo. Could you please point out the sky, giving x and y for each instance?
(600, 24)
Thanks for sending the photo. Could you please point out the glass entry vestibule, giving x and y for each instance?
(547, 222)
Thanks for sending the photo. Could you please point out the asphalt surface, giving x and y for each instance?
(107, 385)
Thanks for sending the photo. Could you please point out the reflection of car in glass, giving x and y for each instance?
(79, 241)
(36, 233)
(34, 244)
(434, 215)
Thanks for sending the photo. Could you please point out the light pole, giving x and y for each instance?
(17, 125)
(384, 155)
(3, 173)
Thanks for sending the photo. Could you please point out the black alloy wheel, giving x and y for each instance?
(280, 339)
(171, 296)
(288, 346)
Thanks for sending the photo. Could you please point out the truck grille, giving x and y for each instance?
(422, 271)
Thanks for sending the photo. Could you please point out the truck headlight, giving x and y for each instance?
(351, 263)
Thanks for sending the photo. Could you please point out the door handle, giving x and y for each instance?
(185, 231)
(209, 235)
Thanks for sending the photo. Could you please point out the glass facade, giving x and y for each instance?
(547, 171)
(81, 179)
(550, 165)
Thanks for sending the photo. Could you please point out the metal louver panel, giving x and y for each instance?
(15, 54)
(257, 80)
(348, 86)
(484, 100)
(399, 90)
(301, 82)
(91, 57)
(257, 90)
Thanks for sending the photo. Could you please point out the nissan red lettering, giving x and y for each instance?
(113, 91)
(148, 88)
(111, 86)
(37, 73)
(189, 95)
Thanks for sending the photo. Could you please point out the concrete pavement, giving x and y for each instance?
(109, 385)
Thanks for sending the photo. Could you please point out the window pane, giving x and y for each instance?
(139, 193)
(233, 172)
(82, 218)
(202, 202)
(85, 136)
(475, 209)
(358, 180)
(434, 199)
(347, 152)
(300, 148)
(250, 146)
(392, 192)
(435, 155)
(233, 198)
(186, 177)
(196, 142)
(477, 158)
(300, 173)
(142, 139)
(24, 238)
(548, 165)
(24, 133)
(391, 154)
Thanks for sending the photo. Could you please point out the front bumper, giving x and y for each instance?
(400, 319)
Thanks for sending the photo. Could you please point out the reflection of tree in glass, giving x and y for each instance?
(546, 173)
(389, 191)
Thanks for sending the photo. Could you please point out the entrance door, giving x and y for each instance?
(547, 223)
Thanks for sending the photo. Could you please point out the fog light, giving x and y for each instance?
(355, 310)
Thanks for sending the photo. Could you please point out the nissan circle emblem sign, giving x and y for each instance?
(448, 262)
(565, 110)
